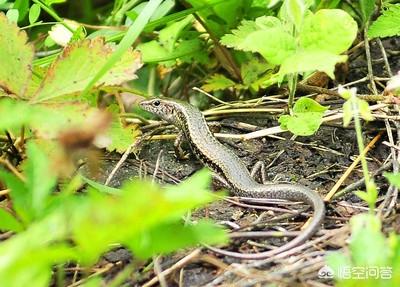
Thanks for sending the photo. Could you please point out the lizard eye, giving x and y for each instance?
(156, 103)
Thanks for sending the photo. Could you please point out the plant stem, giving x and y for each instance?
(292, 90)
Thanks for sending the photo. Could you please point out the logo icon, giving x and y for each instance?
(325, 272)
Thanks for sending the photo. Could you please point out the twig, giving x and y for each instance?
(330, 194)
(361, 182)
(12, 168)
(158, 271)
(191, 256)
(369, 62)
(385, 58)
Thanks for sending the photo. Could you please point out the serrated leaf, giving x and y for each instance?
(266, 36)
(328, 30)
(217, 82)
(310, 61)
(46, 120)
(78, 64)
(16, 57)
(387, 24)
(306, 118)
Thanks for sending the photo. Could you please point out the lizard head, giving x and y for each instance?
(167, 109)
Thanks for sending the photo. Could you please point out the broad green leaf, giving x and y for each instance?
(328, 30)
(149, 206)
(38, 244)
(387, 24)
(294, 11)
(16, 57)
(222, 15)
(310, 61)
(306, 118)
(124, 45)
(19, 195)
(305, 105)
(217, 82)
(366, 232)
(12, 15)
(8, 222)
(46, 120)
(154, 52)
(337, 262)
(266, 36)
(40, 179)
(169, 35)
(367, 9)
(34, 13)
(252, 69)
(78, 64)
(158, 239)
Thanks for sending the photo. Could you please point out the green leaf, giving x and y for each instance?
(267, 36)
(34, 13)
(121, 137)
(46, 120)
(328, 30)
(366, 232)
(101, 220)
(387, 24)
(306, 118)
(393, 178)
(100, 187)
(154, 52)
(12, 15)
(367, 9)
(169, 35)
(158, 239)
(19, 195)
(217, 82)
(347, 113)
(310, 61)
(77, 66)
(126, 43)
(16, 57)
(220, 16)
(365, 111)
(294, 11)
(40, 179)
(8, 222)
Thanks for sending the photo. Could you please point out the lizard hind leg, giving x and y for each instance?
(258, 172)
